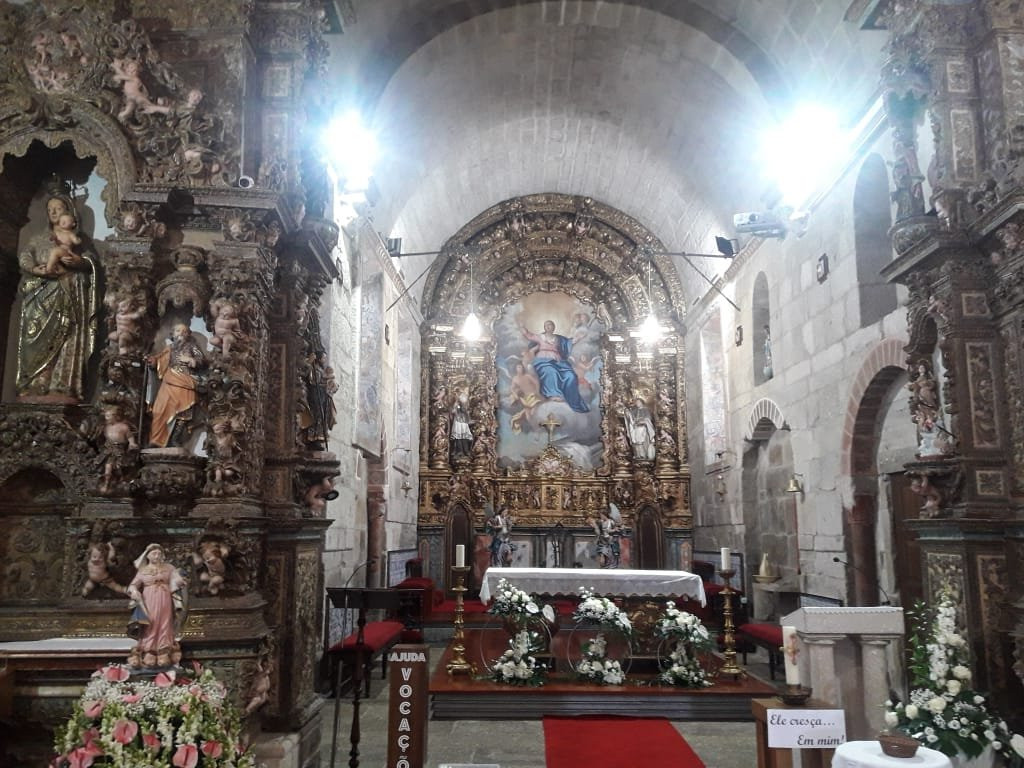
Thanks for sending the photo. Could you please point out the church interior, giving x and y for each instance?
(313, 295)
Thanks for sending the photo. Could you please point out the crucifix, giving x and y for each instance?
(549, 424)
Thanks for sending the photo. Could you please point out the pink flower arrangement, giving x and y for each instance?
(171, 720)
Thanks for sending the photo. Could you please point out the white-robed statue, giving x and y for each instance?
(640, 427)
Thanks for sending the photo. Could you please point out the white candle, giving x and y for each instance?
(791, 655)
(726, 559)
(460, 555)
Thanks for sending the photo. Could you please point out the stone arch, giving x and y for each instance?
(881, 369)
(765, 417)
(770, 513)
(760, 317)
(872, 219)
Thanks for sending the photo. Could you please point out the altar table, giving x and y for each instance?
(609, 582)
(869, 754)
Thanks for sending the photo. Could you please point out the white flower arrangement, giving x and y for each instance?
(516, 666)
(943, 711)
(170, 720)
(513, 602)
(601, 670)
(602, 611)
(594, 665)
(688, 637)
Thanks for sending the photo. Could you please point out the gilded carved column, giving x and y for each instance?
(241, 277)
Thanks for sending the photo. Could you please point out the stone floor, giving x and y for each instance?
(517, 743)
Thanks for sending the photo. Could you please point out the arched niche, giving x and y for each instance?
(761, 312)
(872, 219)
(23, 180)
(34, 506)
(459, 529)
(93, 134)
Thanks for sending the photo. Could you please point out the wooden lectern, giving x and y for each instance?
(361, 599)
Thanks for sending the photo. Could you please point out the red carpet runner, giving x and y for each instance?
(615, 742)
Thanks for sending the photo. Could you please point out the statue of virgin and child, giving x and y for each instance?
(59, 294)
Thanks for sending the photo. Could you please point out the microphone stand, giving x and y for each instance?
(878, 582)
(346, 627)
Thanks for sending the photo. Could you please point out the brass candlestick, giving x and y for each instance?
(458, 665)
(728, 628)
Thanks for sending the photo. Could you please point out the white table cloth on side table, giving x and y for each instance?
(611, 582)
(869, 754)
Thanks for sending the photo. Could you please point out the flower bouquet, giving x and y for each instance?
(943, 711)
(513, 602)
(603, 611)
(171, 720)
(517, 666)
(596, 664)
(687, 637)
(597, 667)
(519, 609)
(523, 617)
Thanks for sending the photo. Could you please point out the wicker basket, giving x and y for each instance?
(898, 744)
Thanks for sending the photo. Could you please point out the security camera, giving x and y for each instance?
(762, 224)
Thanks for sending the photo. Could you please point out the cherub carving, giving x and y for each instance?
(226, 328)
(259, 690)
(102, 556)
(118, 440)
(931, 495)
(210, 559)
(223, 467)
(127, 331)
(318, 494)
(128, 72)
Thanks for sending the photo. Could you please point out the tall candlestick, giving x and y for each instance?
(726, 559)
(791, 655)
(460, 555)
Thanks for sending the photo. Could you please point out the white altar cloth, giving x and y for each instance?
(869, 754)
(66, 646)
(611, 582)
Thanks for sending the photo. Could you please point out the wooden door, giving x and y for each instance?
(906, 551)
(650, 550)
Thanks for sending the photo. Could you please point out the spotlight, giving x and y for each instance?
(726, 246)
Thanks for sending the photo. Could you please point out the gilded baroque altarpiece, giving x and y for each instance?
(570, 411)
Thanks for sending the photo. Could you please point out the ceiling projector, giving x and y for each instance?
(763, 224)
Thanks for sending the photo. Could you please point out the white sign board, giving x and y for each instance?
(806, 728)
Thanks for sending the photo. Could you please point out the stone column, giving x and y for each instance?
(820, 672)
(875, 681)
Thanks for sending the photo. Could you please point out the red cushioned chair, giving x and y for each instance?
(769, 637)
(378, 637)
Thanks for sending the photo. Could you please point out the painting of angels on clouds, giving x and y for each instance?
(549, 380)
